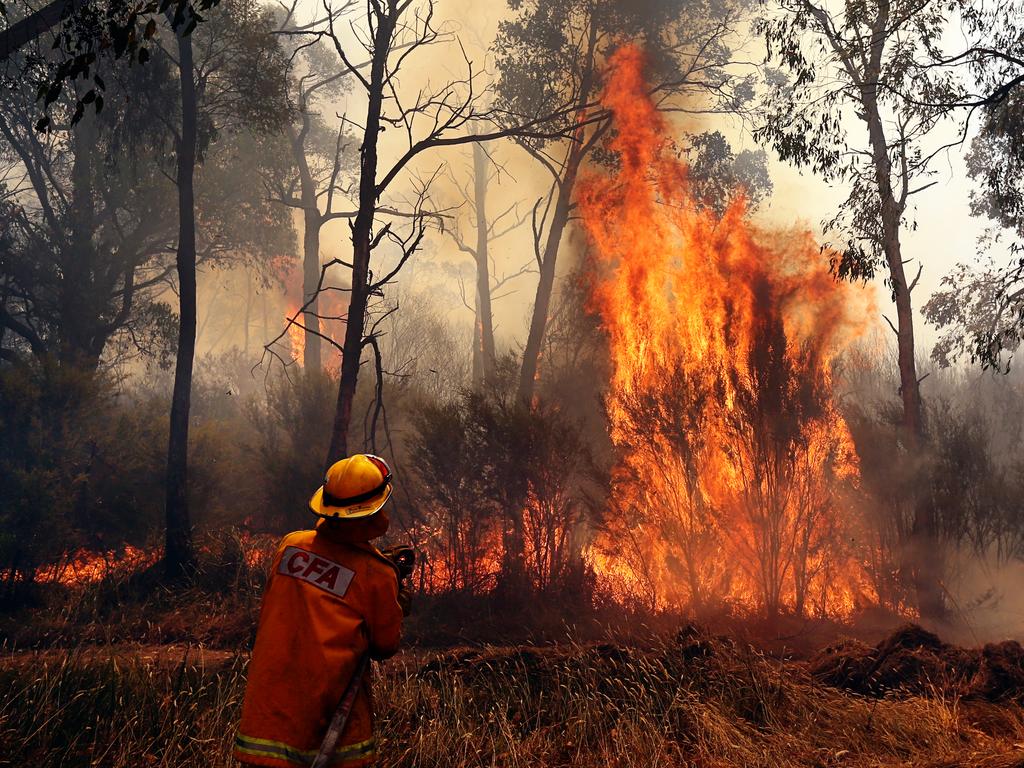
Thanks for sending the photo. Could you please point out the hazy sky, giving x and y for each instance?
(946, 233)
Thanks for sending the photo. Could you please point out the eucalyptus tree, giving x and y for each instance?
(859, 61)
(231, 78)
(980, 307)
(858, 108)
(90, 251)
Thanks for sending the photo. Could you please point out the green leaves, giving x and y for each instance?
(117, 30)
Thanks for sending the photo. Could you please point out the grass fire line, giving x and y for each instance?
(694, 699)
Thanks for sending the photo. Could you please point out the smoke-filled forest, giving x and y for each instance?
(680, 334)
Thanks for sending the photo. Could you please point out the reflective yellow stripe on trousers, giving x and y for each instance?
(250, 745)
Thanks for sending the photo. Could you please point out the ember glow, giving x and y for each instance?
(84, 566)
(735, 466)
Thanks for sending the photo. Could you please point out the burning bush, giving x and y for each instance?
(735, 463)
(76, 471)
(503, 487)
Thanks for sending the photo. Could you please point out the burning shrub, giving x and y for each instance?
(459, 512)
(503, 492)
(734, 461)
(76, 470)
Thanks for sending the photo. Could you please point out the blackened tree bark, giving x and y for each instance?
(179, 557)
(362, 234)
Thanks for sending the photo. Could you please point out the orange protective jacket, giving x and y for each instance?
(331, 597)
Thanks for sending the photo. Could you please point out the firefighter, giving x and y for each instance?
(332, 596)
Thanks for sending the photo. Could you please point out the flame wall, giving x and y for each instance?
(735, 466)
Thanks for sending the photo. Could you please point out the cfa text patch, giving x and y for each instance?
(318, 571)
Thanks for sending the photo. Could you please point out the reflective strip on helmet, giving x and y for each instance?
(249, 745)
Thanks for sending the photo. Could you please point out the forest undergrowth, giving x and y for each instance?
(692, 700)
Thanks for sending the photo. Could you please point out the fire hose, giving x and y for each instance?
(337, 725)
(404, 560)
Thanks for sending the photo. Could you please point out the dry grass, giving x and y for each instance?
(560, 706)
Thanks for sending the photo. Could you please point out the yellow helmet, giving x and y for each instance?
(354, 487)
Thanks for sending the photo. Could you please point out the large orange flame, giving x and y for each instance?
(735, 464)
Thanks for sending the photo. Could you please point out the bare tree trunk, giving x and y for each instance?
(312, 222)
(477, 373)
(545, 284)
(362, 232)
(924, 551)
(179, 556)
(485, 319)
(559, 219)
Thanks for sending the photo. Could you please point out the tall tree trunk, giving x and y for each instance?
(362, 233)
(477, 372)
(546, 282)
(179, 557)
(484, 316)
(923, 548)
(312, 222)
(559, 219)
(891, 216)
(80, 309)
